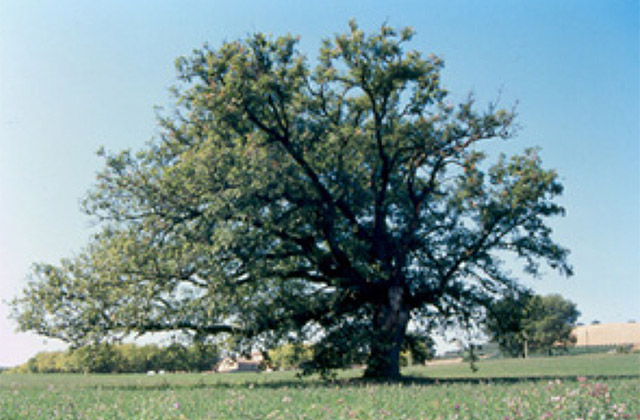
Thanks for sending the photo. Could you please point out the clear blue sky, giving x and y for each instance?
(75, 75)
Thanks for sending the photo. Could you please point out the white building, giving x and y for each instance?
(241, 364)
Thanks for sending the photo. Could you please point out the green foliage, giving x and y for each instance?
(289, 356)
(417, 349)
(505, 323)
(136, 358)
(124, 358)
(98, 358)
(544, 323)
(550, 322)
(284, 203)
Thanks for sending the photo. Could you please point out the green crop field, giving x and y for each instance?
(579, 387)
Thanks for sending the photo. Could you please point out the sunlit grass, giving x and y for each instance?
(583, 365)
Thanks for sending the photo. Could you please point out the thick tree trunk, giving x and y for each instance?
(390, 325)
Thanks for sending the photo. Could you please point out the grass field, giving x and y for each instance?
(579, 387)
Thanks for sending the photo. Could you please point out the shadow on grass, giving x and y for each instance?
(353, 382)
(506, 380)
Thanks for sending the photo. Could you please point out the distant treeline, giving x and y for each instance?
(198, 357)
(124, 358)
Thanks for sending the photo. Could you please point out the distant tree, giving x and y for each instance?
(290, 356)
(551, 321)
(49, 362)
(288, 203)
(507, 323)
(96, 358)
(29, 367)
(539, 323)
(136, 358)
(417, 349)
(202, 357)
(173, 358)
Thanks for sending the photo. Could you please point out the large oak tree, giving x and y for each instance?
(332, 203)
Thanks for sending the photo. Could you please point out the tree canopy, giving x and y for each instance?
(537, 323)
(282, 202)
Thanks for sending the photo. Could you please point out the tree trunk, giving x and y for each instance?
(390, 324)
